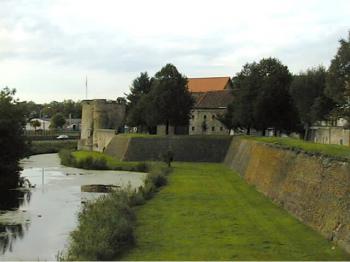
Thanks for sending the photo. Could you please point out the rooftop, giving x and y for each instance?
(214, 99)
(205, 84)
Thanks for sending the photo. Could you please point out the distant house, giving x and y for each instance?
(73, 124)
(331, 132)
(44, 124)
(212, 96)
(208, 107)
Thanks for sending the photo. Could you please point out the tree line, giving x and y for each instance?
(267, 95)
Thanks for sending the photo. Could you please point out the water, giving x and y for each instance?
(35, 224)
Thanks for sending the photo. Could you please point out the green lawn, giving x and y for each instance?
(207, 212)
(336, 151)
(112, 163)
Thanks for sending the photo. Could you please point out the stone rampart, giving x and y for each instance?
(184, 148)
(314, 189)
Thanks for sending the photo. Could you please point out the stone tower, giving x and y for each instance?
(101, 120)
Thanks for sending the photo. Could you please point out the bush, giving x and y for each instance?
(66, 157)
(105, 229)
(92, 163)
(157, 177)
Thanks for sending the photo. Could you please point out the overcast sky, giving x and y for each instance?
(47, 47)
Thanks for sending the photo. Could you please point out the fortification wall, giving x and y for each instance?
(102, 138)
(101, 119)
(185, 148)
(314, 189)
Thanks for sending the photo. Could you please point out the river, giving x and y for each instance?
(35, 224)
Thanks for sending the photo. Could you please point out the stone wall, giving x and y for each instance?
(314, 189)
(97, 115)
(209, 116)
(185, 148)
(330, 135)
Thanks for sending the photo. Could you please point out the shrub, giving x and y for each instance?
(93, 163)
(105, 229)
(66, 157)
(142, 167)
(157, 177)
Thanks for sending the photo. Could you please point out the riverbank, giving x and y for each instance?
(207, 212)
(51, 146)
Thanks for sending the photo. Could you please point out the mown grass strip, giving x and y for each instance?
(334, 151)
(99, 161)
(207, 212)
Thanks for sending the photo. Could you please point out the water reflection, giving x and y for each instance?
(9, 234)
(13, 199)
(10, 231)
(35, 225)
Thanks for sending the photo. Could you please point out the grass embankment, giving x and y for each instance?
(106, 226)
(207, 212)
(333, 151)
(100, 161)
(46, 147)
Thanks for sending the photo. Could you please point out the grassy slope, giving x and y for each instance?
(207, 212)
(52, 146)
(112, 163)
(336, 151)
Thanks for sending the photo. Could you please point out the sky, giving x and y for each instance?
(48, 47)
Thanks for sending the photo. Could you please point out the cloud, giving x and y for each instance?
(121, 38)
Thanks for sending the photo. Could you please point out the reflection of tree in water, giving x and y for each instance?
(12, 200)
(9, 234)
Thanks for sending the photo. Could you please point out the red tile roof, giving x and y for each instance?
(206, 84)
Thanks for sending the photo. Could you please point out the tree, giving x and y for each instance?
(140, 87)
(338, 78)
(261, 97)
(57, 121)
(13, 145)
(307, 91)
(35, 123)
(170, 99)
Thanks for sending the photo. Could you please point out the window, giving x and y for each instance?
(205, 116)
(213, 128)
(213, 117)
(193, 128)
(192, 117)
(221, 128)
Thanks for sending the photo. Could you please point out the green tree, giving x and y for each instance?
(273, 106)
(261, 97)
(13, 145)
(57, 121)
(307, 90)
(338, 78)
(140, 87)
(35, 123)
(170, 99)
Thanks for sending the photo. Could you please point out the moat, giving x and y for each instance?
(35, 224)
